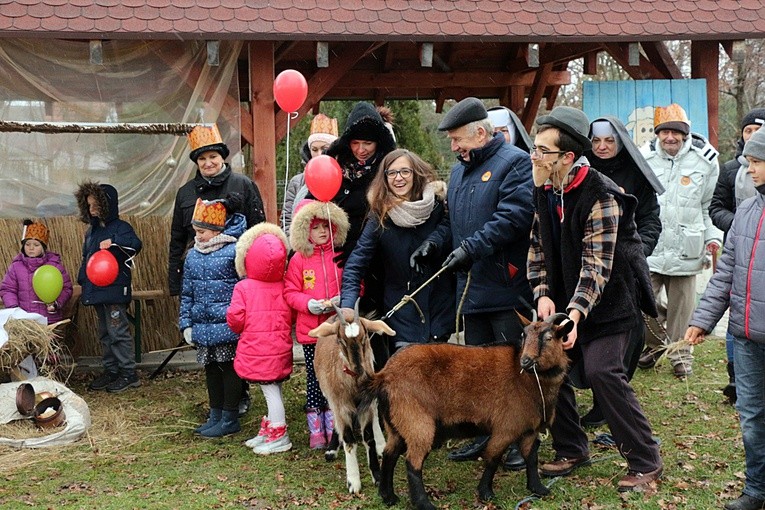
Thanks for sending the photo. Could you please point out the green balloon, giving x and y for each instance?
(47, 282)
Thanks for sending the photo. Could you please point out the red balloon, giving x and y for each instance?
(290, 90)
(323, 176)
(102, 268)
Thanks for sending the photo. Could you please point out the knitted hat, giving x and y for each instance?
(36, 231)
(755, 147)
(756, 117)
(671, 117)
(209, 214)
(571, 120)
(323, 129)
(466, 111)
(205, 138)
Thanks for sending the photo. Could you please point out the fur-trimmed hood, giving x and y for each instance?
(105, 195)
(300, 227)
(439, 189)
(261, 253)
(364, 123)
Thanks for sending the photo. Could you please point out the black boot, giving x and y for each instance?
(594, 417)
(470, 451)
(745, 502)
(730, 390)
(514, 461)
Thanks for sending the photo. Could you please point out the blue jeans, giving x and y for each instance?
(749, 359)
(729, 338)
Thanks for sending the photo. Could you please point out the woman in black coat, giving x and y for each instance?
(406, 204)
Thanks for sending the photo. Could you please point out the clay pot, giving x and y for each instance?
(39, 397)
(49, 413)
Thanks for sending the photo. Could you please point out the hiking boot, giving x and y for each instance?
(316, 438)
(123, 382)
(745, 502)
(649, 358)
(682, 370)
(102, 381)
(276, 441)
(563, 466)
(255, 441)
(471, 451)
(730, 390)
(214, 417)
(636, 481)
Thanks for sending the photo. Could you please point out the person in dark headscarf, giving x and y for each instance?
(615, 155)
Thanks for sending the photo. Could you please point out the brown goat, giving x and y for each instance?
(432, 392)
(343, 355)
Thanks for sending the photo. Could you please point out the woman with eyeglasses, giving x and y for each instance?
(406, 205)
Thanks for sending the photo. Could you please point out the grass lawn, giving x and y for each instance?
(140, 453)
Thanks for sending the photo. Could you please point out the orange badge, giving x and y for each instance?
(685, 180)
(309, 279)
(486, 176)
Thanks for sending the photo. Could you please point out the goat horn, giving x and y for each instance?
(534, 316)
(339, 313)
(356, 311)
(556, 318)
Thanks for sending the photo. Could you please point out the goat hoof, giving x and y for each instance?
(486, 495)
(389, 499)
(354, 487)
(330, 455)
(540, 490)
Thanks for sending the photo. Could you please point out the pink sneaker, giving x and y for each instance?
(277, 440)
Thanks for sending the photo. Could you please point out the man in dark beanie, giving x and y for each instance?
(486, 235)
(734, 185)
(587, 263)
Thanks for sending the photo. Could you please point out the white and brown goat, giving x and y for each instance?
(432, 392)
(342, 361)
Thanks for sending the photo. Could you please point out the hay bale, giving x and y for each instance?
(27, 337)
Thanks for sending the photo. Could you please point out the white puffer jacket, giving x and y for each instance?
(689, 179)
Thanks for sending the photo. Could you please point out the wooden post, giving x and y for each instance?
(261, 56)
(705, 59)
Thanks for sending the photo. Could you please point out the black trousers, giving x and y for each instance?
(224, 387)
(603, 360)
(487, 327)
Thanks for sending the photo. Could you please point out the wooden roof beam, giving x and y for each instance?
(325, 79)
(540, 82)
(705, 59)
(645, 69)
(434, 80)
(659, 56)
(736, 50)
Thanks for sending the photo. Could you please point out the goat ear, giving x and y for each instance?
(564, 328)
(377, 327)
(324, 329)
(524, 321)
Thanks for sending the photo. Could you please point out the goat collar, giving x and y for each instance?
(350, 372)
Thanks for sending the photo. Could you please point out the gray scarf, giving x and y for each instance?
(744, 184)
(409, 214)
(214, 244)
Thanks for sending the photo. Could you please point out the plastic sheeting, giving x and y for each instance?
(74, 407)
(139, 81)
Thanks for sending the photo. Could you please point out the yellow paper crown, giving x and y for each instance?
(202, 136)
(36, 231)
(671, 113)
(323, 124)
(210, 215)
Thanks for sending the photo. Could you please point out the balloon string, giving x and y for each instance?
(129, 262)
(332, 243)
(287, 171)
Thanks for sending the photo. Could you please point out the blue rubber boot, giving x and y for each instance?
(213, 419)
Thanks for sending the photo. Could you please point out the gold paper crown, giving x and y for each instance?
(323, 124)
(36, 231)
(671, 113)
(210, 215)
(202, 136)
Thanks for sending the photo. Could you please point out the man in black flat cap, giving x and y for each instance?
(587, 261)
(487, 232)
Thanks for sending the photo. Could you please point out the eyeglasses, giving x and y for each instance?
(405, 173)
(535, 151)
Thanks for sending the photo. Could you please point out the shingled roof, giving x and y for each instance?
(390, 20)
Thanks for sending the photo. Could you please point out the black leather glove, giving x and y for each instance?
(458, 260)
(421, 255)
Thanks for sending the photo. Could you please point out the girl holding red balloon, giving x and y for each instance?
(106, 279)
(36, 280)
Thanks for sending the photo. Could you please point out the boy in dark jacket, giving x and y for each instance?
(99, 206)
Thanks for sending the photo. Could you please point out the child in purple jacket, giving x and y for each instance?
(16, 289)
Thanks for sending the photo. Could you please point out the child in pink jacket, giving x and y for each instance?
(312, 284)
(259, 313)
